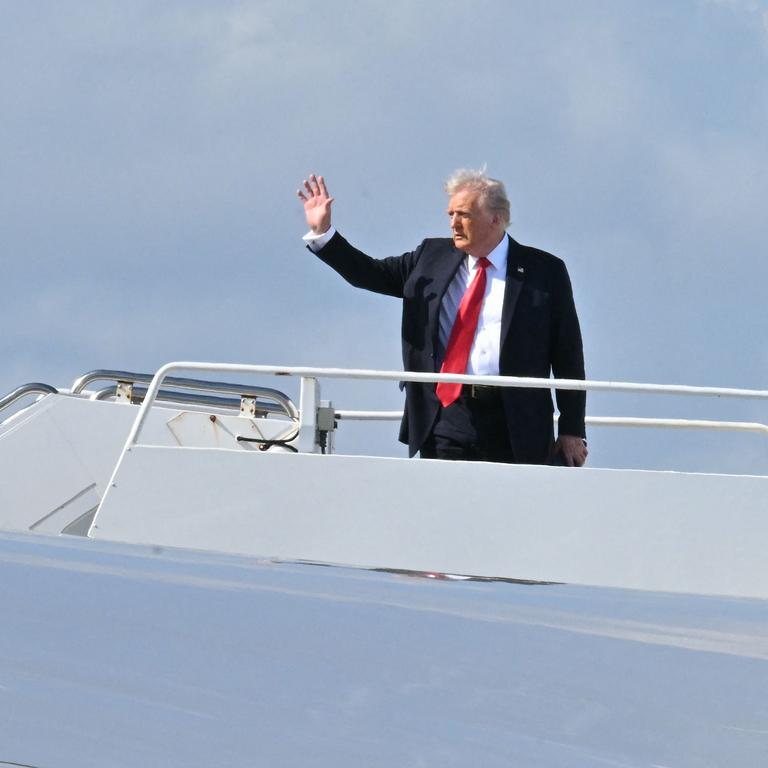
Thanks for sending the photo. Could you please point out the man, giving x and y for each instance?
(480, 303)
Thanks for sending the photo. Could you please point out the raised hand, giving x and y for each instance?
(317, 204)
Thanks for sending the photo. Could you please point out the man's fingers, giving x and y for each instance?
(574, 451)
(315, 186)
(315, 193)
(580, 456)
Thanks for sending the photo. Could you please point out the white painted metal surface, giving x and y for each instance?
(56, 458)
(122, 656)
(192, 481)
(57, 455)
(668, 531)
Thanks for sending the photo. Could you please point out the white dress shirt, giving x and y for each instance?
(484, 354)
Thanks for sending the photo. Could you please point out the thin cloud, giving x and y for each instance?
(757, 9)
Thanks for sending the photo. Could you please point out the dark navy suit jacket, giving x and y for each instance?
(539, 334)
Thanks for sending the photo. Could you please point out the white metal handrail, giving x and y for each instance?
(373, 375)
(634, 421)
(284, 404)
(33, 388)
(592, 421)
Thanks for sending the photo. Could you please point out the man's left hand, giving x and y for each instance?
(574, 450)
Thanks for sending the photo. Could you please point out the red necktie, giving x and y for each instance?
(463, 334)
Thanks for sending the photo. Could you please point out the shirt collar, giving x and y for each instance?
(497, 257)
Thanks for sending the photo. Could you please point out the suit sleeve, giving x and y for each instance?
(387, 276)
(567, 356)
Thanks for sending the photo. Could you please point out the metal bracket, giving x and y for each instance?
(309, 399)
(124, 392)
(326, 421)
(248, 407)
(326, 426)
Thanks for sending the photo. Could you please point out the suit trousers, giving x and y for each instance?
(471, 429)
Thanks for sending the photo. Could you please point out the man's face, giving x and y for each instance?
(474, 230)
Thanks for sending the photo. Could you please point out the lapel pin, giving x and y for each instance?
(520, 270)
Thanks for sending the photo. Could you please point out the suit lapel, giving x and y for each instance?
(514, 283)
(447, 266)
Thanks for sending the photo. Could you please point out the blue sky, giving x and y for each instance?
(151, 154)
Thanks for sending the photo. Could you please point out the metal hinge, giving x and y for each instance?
(124, 392)
(248, 407)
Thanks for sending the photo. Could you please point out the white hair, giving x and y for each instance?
(493, 195)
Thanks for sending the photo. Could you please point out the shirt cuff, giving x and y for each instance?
(318, 242)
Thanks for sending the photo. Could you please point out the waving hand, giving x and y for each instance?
(317, 204)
